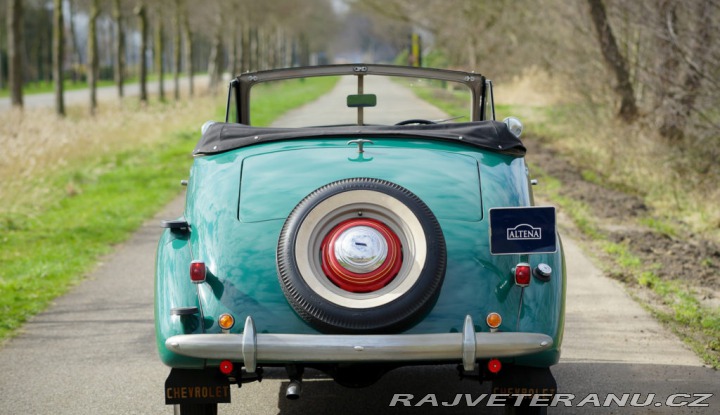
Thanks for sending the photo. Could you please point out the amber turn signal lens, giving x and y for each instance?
(226, 321)
(493, 320)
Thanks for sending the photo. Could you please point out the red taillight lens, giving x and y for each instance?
(494, 365)
(522, 274)
(226, 367)
(197, 272)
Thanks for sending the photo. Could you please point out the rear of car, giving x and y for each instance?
(356, 249)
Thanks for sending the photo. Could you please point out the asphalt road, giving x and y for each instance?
(93, 352)
(106, 93)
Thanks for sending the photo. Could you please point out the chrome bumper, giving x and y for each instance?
(252, 348)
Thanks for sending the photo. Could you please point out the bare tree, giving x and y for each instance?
(15, 63)
(234, 57)
(613, 58)
(76, 57)
(188, 39)
(216, 52)
(141, 13)
(119, 48)
(245, 47)
(177, 41)
(92, 54)
(159, 53)
(668, 64)
(58, 57)
(681, 103)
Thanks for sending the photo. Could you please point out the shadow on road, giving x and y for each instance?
(432, 386)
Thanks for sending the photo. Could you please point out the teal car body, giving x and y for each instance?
(242, 200)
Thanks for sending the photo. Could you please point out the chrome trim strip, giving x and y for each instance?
(253, 348)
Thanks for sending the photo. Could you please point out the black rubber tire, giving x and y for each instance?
(393, 315)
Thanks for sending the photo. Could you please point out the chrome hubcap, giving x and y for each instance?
(361, 249)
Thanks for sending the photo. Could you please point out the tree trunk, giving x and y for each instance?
(15, 52)
(2, 79)
(92, 54)
(141, 13)
(188, 48)
(159, 52)
(701, 43)
(76, 59)
(119, 72)
(216, 54)
(234, 44)
(617, 63)
(176, 50)
(245, 49)
(680, 84)
(58, 57)
(304, 50)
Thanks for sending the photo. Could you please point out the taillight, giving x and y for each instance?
(226, 367)
(197, 271)
(494, 366)
(522, 274)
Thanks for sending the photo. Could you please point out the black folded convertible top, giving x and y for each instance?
(488, 135)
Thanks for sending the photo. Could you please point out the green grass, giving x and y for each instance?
(678, 308)
(44, 253)
(453, 102)
(697, 325)
(269, 100)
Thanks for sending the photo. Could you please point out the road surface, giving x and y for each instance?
(107, 93)
(93, 352)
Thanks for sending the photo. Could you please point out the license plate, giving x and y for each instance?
(185, 386)
(525, 380)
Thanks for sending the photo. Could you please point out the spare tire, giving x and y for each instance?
(361, 255)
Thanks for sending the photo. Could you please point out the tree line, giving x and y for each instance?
(655, 61)
(89, 40)
(659, 60)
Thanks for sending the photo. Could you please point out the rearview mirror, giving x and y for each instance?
(361, 101)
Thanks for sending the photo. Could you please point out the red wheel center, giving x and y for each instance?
(361, 255)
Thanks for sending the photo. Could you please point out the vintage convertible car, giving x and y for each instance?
(377, 233)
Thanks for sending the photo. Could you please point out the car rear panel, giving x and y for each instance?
(241, 198)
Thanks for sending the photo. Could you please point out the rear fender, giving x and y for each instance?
(174, 289)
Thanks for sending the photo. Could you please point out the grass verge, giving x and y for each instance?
(44, 254)
(671, 302)
(90, 183)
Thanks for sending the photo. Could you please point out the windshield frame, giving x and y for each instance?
(241, 86)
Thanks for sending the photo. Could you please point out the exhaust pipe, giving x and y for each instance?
(294, 389)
